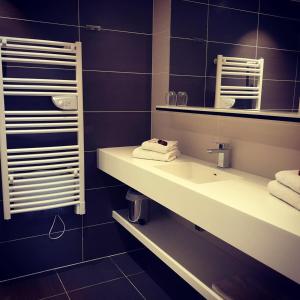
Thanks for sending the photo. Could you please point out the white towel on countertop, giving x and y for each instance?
(153, 145)
(289, 178)
(146, 154)
(284, 193)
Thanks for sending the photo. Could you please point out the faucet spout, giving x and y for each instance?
(223, 155)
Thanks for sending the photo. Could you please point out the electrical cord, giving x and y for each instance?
(52, 226)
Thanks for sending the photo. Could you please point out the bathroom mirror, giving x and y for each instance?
(200, 31)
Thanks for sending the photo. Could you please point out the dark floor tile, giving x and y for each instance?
(277, 94)
(278, 33)
(110, 14)
(88, 274)
(278, 64)
(48, 11)
(215, 49)
(245, 5)
(119, 289)
(95, 178)
(113, 129)
(166, 285)
(38, 254)
(116, 91)
(27, 29)
(107, 239)
(116, 51)
(281, 8)
(232, 26)
(188, 19)
(194, 86)
(59, 297)
(187, 57)
(136, 261)
(31, 288)
(36, 223)
(101, 202)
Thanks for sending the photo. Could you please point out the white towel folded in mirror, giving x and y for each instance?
(284, 193)
(153, 145)
(289, 178)
(146, 154)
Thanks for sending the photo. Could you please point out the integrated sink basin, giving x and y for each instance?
(196, 173)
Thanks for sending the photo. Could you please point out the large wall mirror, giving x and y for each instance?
(252, 29)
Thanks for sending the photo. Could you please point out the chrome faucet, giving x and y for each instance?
(223, 151)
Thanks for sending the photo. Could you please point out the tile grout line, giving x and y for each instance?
(52, 296)
(206, 54)
(78, 19)
(63, 285)
(127, 278)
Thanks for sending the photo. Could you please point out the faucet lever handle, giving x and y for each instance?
(223, 146)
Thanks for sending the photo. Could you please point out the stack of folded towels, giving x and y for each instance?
(287, 187)
(156, 149)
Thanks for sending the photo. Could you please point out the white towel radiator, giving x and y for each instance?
(40, 178)
(239, 68)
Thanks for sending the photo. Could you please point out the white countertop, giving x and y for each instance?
(239, 211)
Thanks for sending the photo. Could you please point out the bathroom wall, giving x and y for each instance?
(261, 147)
(117, 104)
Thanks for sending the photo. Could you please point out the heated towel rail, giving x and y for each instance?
(39, 178)
(245, 76)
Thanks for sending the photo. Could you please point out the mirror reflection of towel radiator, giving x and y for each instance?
(39, 178)
(238, 69)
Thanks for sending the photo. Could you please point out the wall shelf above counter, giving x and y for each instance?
(241, 113)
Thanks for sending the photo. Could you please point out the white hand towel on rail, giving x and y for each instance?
(153, 145)
(146, 154)
(289, 178)
(284, 193)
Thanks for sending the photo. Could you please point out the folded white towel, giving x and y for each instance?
(289, 178)
(146, 154)
(284, 193)
(153, 145)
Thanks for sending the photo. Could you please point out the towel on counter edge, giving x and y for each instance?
(289, 178)
(153, 145)
(146, 154)
(284, 193)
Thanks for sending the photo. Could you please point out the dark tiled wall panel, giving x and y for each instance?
(117, 108)
(253, 29)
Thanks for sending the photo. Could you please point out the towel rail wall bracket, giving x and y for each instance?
(47, 177)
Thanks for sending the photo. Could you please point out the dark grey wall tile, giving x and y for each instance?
(35, 223)
(194, 86)
(65, 12)
(278, 33)
(189, 19)
(110, 14)
(245, 5)
(33, 287)
(116, 91)
(187, 57)
(107, 239)
(40, 253)
(94, 178)
(116, 51)
(278, 64)
(27, 29)
(113, 129)
(282, 8)
(232, 26)
(116, 289)
(101, 202)
(277, 94)
(297, 97)
(215, 49)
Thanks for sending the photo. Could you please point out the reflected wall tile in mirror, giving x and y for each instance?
(279, 33)
(232, 26)
(187, 57)
(215, 49)
(278, 64)
(281, 8)
(194, 86)
(277, 94)
(245, 5)
(297, 97)
(189, 19)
